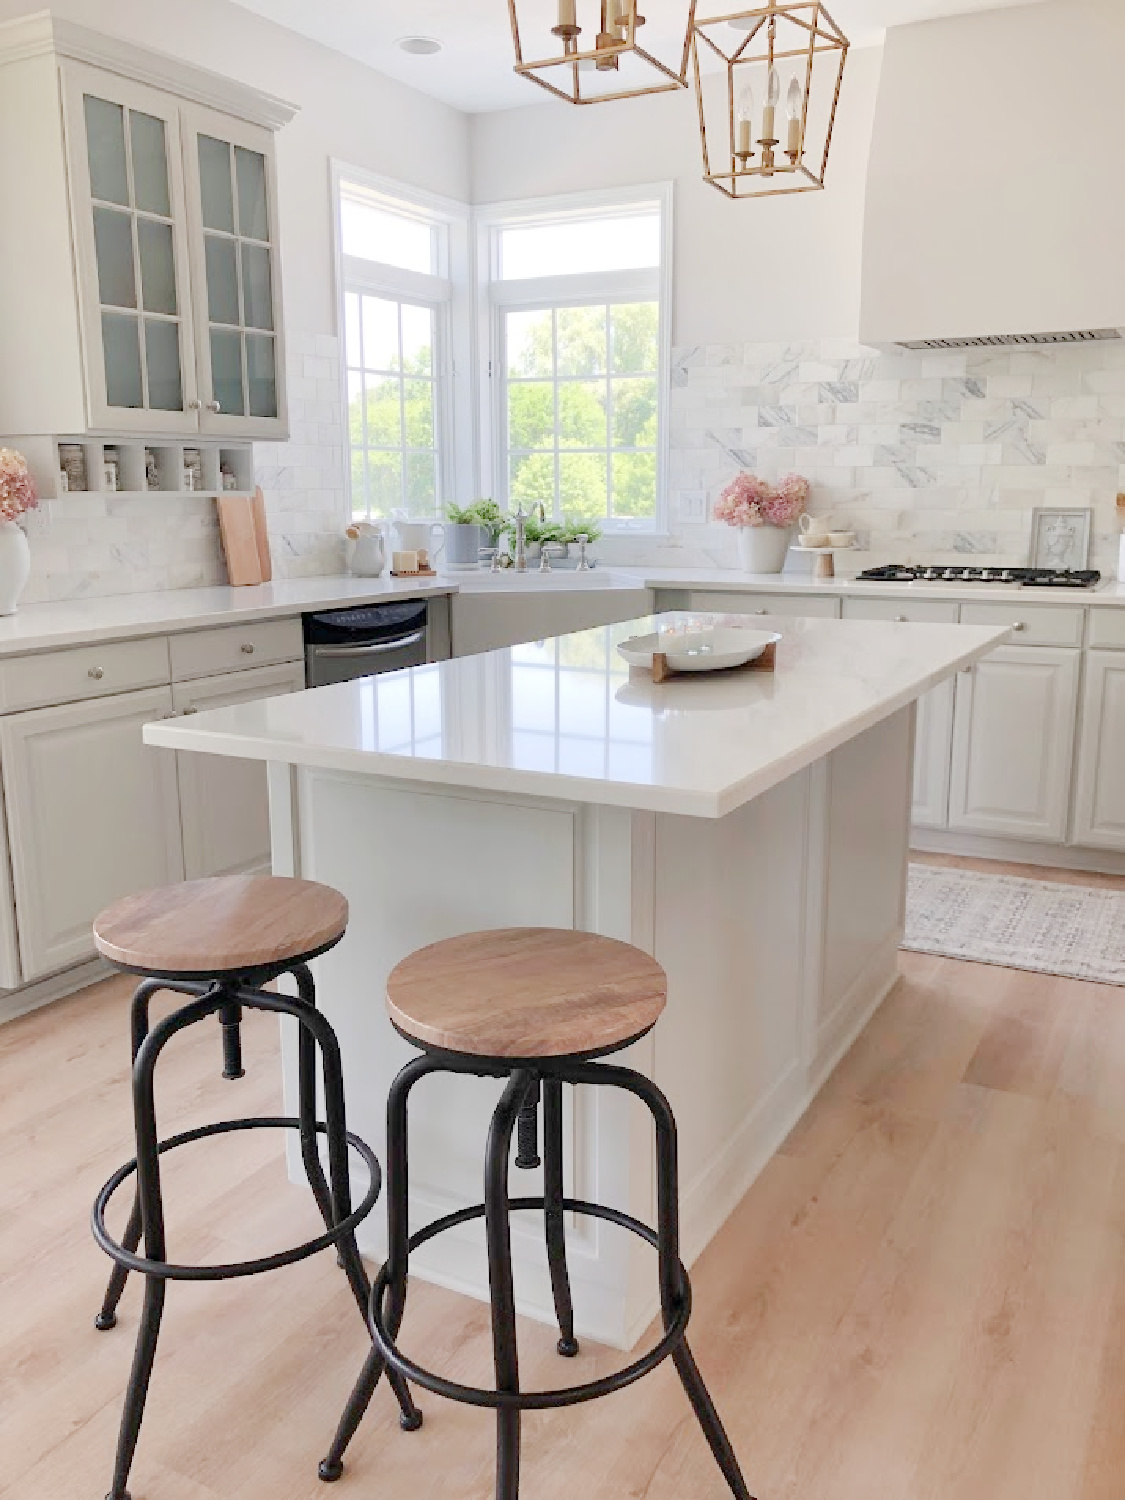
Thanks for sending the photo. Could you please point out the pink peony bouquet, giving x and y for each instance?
(750, 501)
(17, 488)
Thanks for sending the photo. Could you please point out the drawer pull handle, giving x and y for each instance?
(97, 673)
(901, 619)
(247, 649)
(761, 611)
(189, 710)
(1020, 625)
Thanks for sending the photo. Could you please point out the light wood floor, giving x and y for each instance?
(923, 1296)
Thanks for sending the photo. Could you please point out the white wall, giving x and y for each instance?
(768, 269)
(996, 198)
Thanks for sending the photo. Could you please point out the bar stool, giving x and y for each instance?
(219, 941)
(536, 1007)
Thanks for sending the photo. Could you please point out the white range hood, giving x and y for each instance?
(996, 192)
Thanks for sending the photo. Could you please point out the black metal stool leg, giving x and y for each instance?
(306, 1099)
(152, 1218)
(553, 1214)
(230, 1018)
(138, 1021)
(501, 1289)
(671, 1282)
(396, 1189)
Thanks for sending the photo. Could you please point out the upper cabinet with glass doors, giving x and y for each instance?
(171, 207)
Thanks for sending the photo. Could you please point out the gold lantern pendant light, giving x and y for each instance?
(586, 75)
(767, 155)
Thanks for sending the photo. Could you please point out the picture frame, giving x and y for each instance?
(1060, 537)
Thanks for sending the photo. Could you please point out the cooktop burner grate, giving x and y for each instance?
(1040, 578)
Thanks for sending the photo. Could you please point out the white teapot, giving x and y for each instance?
(369, 550)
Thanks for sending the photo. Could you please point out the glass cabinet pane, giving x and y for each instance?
(105, 149)
(113, 246)
(261, 367)
(134, 248)
(226, 371)
(215, 184)
(158, 266)
(121, 345)
(253, 206)
(162, 359)
(222, 280)
(234, 187)
(150, 164)
(257, 286)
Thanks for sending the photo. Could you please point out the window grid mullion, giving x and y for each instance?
(401, 414)
(608, 415)
(557, 506)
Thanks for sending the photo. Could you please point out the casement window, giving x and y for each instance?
(577, 369)
(404, 291)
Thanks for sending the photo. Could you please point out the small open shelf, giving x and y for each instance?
(145, 470)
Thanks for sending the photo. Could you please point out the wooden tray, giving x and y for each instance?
(420, 573)
(661, 671)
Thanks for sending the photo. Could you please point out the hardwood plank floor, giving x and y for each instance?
(923, 1296)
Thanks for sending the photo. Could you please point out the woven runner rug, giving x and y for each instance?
(1073, 930)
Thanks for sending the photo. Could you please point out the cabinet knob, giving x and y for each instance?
(1020, 625)
(213, 406)
(901, 619)
(97, 673)
(761, 611)
(247, 649)
(195, 404)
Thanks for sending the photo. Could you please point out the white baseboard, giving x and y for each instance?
(15, 1003)
(1017, 851)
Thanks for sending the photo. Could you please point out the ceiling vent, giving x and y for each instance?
(1017, 340)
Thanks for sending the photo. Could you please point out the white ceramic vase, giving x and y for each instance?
(762, 549)
(15, 566)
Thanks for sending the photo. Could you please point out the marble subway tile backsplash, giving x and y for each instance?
(83, 546)
(937, 455)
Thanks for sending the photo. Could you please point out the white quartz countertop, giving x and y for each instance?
(1108, 593)
(44, 627)
(563, 719)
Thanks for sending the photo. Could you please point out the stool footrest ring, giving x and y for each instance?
(571, 1395)
(167, 1271)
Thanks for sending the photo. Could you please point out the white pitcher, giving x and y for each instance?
(369, 550)
(420, 536)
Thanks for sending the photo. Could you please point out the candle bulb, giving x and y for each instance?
(567, 15)
(795, 106)
(745, 122)
(769, 114)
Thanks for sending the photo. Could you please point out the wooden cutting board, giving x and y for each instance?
(262, 536)
(240, 542)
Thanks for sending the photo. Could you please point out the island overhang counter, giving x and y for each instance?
(750, 830)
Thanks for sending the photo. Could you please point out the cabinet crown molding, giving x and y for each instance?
(43, 33)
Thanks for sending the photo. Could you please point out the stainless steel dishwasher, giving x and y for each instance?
(358, 642)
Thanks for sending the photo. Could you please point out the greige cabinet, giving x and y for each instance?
(1099, 800)
(224, 803)
(142, 296)
(92, 815)
(1013, 744)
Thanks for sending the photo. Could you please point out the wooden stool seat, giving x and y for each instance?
(526, 992)
(230, 924)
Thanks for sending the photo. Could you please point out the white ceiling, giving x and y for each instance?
(473, 71)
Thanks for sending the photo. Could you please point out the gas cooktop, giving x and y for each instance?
(1039, 578)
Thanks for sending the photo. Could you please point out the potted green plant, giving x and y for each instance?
(468, 529)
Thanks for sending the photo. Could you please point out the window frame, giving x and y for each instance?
(448, 293)
(496, 297)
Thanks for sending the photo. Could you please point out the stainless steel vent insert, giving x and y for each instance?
(1017, 340)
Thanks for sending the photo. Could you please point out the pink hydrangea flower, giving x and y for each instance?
(17, 488)
(750, 501)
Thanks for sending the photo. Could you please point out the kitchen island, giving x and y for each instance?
(749, 829)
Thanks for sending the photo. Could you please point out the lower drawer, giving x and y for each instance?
(814, 606)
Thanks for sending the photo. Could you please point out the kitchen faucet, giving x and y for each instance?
(521, 539)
